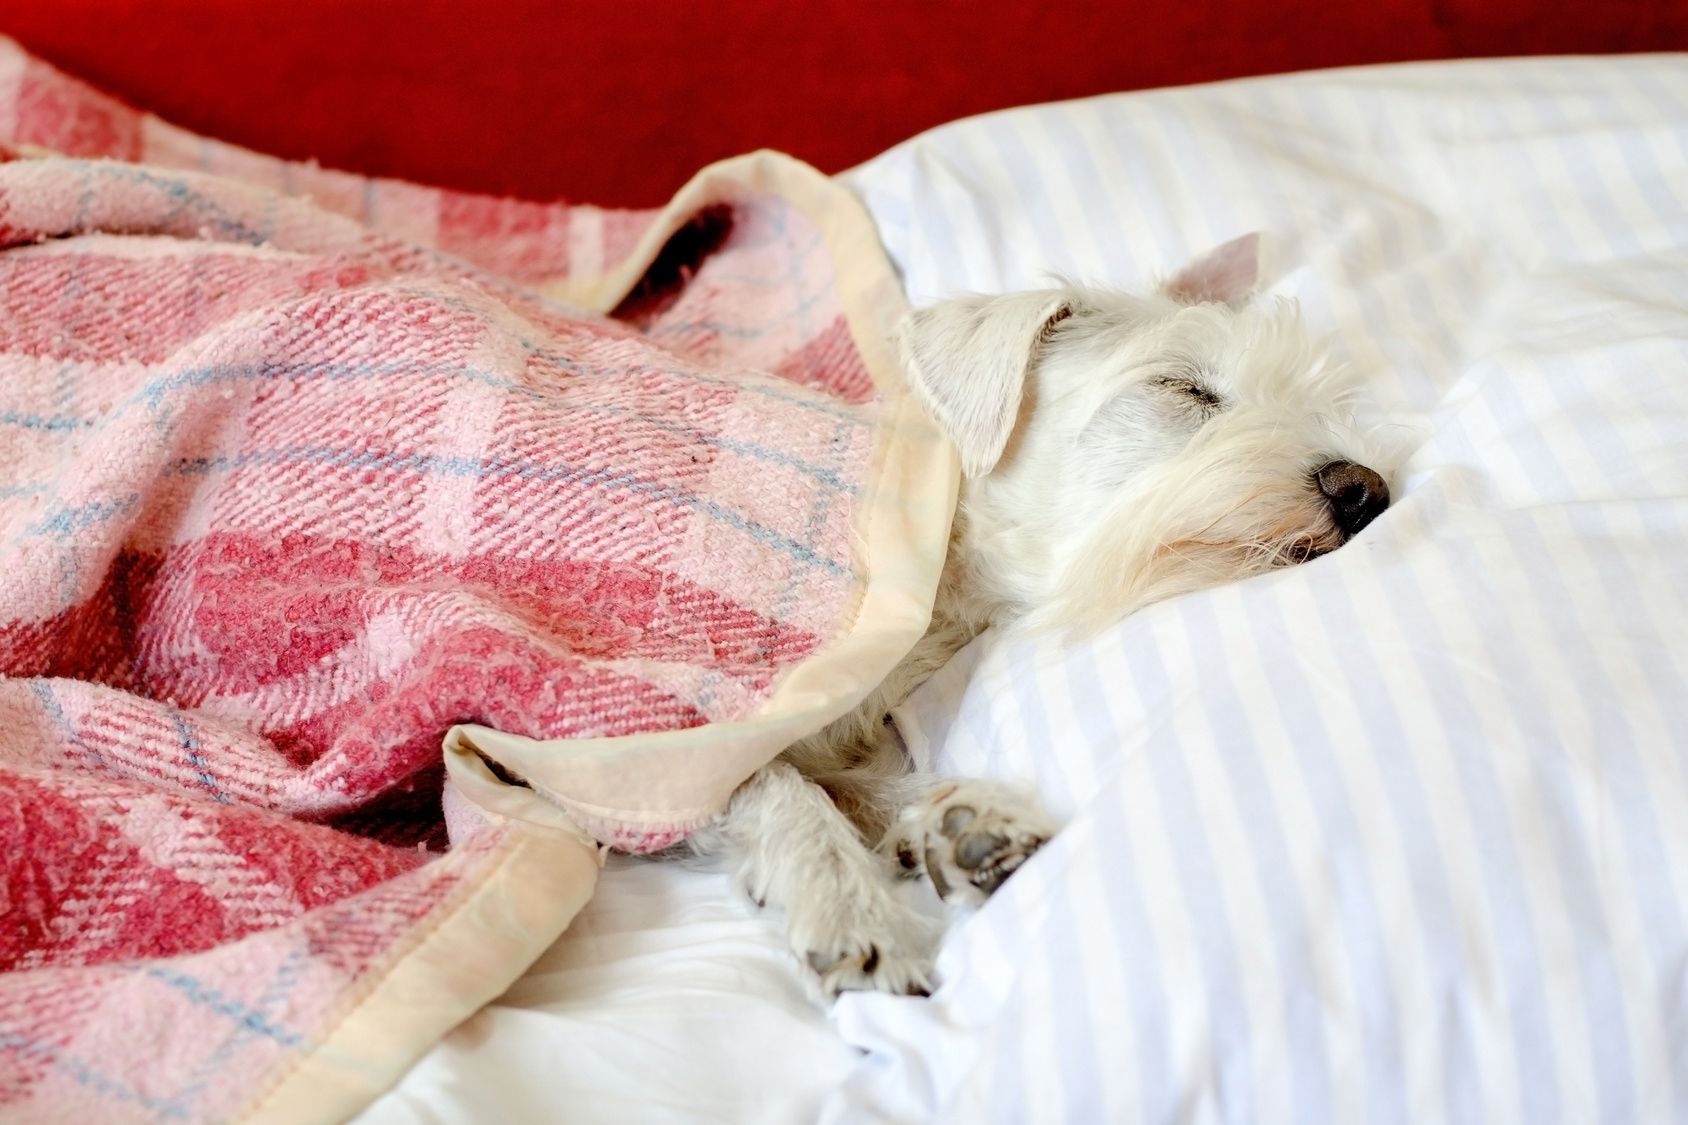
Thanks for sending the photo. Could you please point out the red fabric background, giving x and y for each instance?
(628, 97)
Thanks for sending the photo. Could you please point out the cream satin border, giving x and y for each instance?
(490, 930)
(680, 778)
(478, 942)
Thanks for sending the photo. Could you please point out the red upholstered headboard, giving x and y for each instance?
(617, 102)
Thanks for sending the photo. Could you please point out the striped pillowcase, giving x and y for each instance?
(1402, 834)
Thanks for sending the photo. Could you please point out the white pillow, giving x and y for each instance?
(1401, 834)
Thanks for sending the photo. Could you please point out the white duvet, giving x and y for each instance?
(1400, 835)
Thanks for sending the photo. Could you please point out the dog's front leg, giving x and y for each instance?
(790, 847)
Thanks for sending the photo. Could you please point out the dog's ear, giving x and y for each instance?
(967, 360)
(1225, 276)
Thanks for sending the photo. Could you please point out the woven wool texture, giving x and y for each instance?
(298, 471)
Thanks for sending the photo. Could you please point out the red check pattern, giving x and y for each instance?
(298, 470)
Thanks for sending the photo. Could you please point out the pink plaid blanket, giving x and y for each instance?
(315, 498)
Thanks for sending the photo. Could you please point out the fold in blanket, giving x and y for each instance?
(300, 472)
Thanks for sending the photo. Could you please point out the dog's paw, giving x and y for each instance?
(836, 970)
(968, 837)
(875, 942)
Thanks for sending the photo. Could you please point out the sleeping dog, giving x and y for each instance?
(1116, 450)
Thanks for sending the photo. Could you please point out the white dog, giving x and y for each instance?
(1117, 450)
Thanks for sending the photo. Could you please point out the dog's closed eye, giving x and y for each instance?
(1193, 390)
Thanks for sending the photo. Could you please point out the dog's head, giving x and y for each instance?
(1122, 449)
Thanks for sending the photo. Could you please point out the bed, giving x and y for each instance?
(1395, 835)
(1399, 835)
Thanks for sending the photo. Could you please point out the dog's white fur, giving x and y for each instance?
(1117, 450)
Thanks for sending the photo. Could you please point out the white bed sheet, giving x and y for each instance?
(671, 998)
(1400, 835)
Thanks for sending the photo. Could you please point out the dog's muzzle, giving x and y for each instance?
(1355, 493)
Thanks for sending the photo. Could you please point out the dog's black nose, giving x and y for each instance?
(1356, 494)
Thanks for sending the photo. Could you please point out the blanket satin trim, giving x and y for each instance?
(684, 777)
